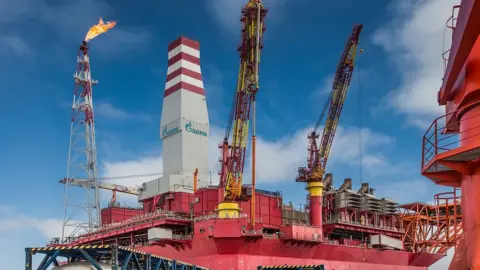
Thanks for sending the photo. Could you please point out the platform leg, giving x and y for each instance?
(148, 263)
(90, 259)
(49, 261)
(135, 260)
(157, 266)
(126, 261)
(115, 258)
(28, 259)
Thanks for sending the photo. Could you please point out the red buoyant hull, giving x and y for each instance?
(223, 244)
(243, 254)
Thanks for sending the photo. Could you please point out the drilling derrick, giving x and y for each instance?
(233, 161)
(451, 146)
(82, 152)
(317, 156)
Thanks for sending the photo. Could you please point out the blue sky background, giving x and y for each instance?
(392, 96)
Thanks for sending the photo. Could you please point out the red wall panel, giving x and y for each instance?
(117, 214)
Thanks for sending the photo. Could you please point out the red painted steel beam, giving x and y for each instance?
(466, 33)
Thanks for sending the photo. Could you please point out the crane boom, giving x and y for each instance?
(103, 185)
(247, 86)
(318, 156)
(339, 92)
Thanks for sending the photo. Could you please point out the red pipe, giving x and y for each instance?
(315, 191)
(469, 134)
(316, 211)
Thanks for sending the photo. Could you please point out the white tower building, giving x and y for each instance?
(184, 126)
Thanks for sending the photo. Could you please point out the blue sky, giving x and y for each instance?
(392, 96)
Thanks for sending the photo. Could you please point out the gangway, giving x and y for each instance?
(117, 257)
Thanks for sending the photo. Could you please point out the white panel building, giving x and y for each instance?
(184, 126)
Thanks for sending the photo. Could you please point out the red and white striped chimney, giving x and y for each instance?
(184, 67)
(184, 126)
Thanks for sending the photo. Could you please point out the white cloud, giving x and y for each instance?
(48, 228)
(414, 41)
(153, 164)
(142, 165)
(107, 110)
(19, 230)
(278, 160)
(405, 191)
(12, 221)
(325, 87)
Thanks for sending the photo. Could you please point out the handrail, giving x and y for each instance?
(436, 140)
(451, 23)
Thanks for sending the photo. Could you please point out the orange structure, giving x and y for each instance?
(432, 228)
(451, 146)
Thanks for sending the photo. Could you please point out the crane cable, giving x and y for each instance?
(360, 125)
(324, 110)
(107, 178)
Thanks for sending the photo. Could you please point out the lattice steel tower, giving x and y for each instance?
(82, 156)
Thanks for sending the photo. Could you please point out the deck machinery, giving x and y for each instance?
(237, 226)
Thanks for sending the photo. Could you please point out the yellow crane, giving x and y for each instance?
(233, 161)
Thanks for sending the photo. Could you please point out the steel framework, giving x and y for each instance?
(82, 155)
(433, 228)
(449, 221)
(118, 257)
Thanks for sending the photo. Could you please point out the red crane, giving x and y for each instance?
(317, 157)
(233, 161)
(451, 146)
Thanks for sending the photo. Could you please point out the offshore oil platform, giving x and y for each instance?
(185, 222)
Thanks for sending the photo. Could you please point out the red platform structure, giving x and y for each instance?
(432, 228)
(283, 236)
(451, 146)
(238, 227)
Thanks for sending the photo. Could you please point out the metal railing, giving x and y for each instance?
(136, 220)
(450, 24)
(444, 134)
(209, 216)
(392, 228)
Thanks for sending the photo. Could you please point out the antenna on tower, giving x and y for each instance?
(82, 153)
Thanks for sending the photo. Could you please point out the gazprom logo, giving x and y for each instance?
(189, 128)
(167, 132)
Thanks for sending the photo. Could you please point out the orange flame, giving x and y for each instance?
(98, 29)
